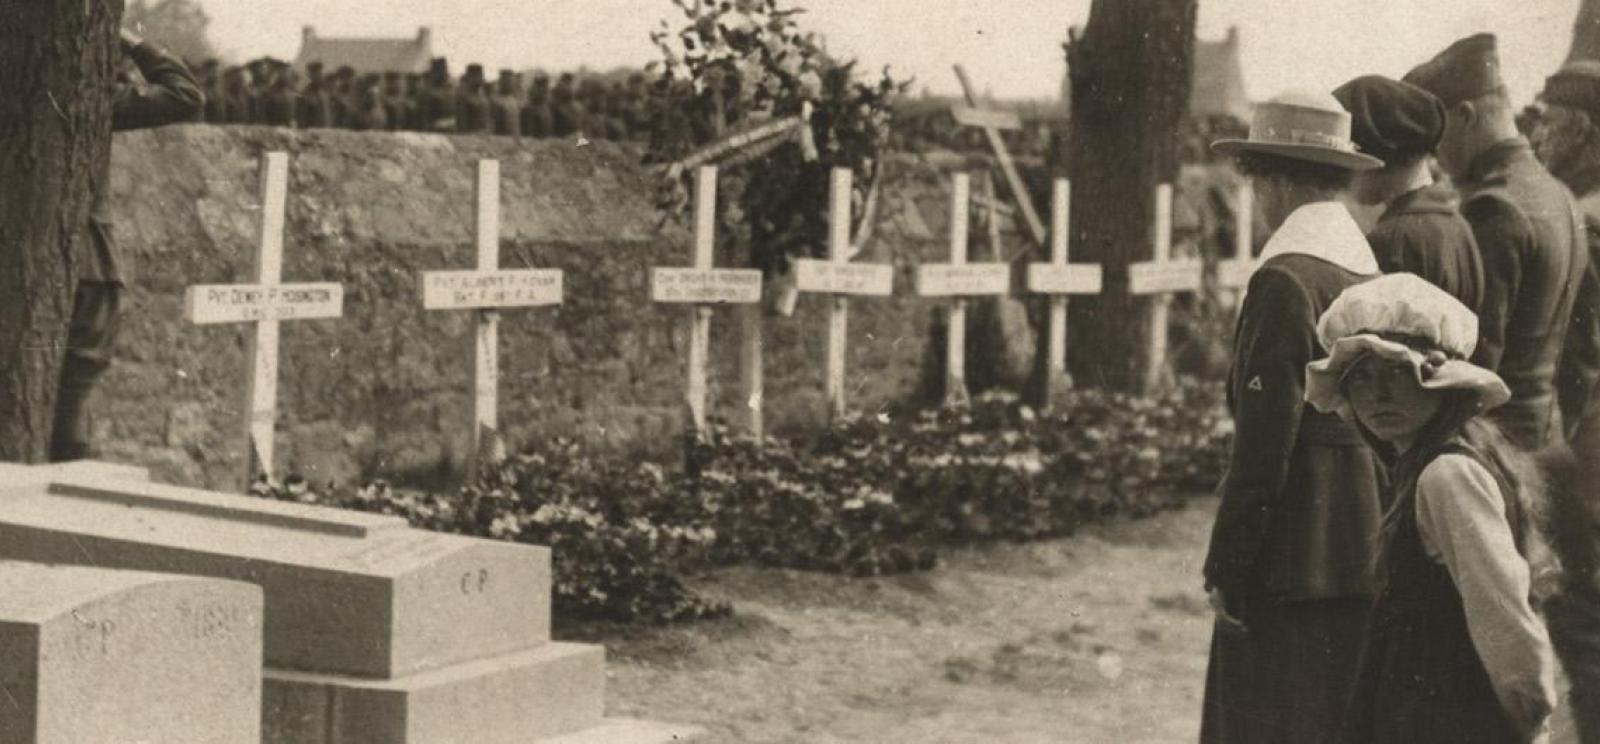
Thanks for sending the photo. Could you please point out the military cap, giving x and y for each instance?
(474, 72)
(1575, 85)
(1465, 70)
(1392, 120)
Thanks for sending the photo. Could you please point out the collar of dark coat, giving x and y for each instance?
(1431, 199)
(1497, 158)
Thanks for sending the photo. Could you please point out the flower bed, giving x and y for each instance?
(872, 495)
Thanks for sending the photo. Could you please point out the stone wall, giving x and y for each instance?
(385, 390)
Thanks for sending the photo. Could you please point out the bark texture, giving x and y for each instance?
(1586, 32)
(56, 72)
(1131, 71)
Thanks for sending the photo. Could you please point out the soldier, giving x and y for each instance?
(210, 75)
(1567, 138)
(1527, 229)
(536, 116)
(280, 102)
(436, 101)
(567, 115)
(168, 94)
(397, 101)
(505, 109)
(1297, 530)
(238, 104)
(472, 102)
(1420, 231)
(343, 96)
(368, 109)
(316, 105)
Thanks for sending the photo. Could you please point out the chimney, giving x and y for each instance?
(1233, 36)
(308, 34)
(425, 39)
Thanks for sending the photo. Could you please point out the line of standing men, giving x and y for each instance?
(271, 92)
(1289, 564)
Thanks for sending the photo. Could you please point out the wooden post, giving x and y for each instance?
(1059, 279)
(264, 303)
(1159, 278)
(1233, 274)
(840, 278)
(485, 290)
(702, 286)
(959, 280)
(991, 122)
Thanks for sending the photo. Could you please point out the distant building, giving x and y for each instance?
(364, 54)
(1218, 85)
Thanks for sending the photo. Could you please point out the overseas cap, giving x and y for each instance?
(1463, 71)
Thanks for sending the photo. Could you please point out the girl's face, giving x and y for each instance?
(1389, 401)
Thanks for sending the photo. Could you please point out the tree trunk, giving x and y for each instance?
(1131, 72)
(56, 69)
(1586, 32)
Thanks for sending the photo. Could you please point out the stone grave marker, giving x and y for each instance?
(264, 304)
(838, 277)
(486, 290)
(1058, 279)
(959, 280)
(1158, 279)
(373, 631)
(703, 286)
(92, 655)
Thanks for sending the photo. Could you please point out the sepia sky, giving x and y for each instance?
(1011, 47)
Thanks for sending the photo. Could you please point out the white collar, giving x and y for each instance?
(1323, 230)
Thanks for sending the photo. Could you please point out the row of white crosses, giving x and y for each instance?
(488, 289)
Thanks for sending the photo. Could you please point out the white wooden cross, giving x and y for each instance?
(703, 286)
(959, 280)
(1234, 273)
(486, 290)
(840, 278)
(1060, 279)
(1160, 278)
(991, 122)
(264, 303)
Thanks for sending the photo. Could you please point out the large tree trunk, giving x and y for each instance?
(1131, 73)
(56, 69)
(1586, 32)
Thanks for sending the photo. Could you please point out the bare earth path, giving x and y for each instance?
(1100, 637)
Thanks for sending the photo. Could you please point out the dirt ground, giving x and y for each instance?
(1100, 637)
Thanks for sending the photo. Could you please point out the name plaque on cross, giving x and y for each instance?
(833, 277)
(963, 280)
(480, 290)
(1065, 279)
(239, 303)
(705, 286)
(1164, 277)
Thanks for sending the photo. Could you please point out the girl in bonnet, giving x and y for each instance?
(1456, 651)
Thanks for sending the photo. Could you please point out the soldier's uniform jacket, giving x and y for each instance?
(170, 94)
(472, 111)
(1580, 360)
(1422, 233)
(1534, 256)
(1300, 501)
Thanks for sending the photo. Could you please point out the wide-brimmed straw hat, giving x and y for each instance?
(1400, 318)
(1301, 126)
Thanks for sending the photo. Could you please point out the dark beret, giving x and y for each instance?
(1465, 70)
(1391, 120)
(1575, 85)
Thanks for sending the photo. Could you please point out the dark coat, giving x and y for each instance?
(1580, 359)
(171, 94)
(1534, 256)
(1300, 505)
(1422, 233)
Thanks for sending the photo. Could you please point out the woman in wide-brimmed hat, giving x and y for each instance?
(1296, 529)
(1456, 652)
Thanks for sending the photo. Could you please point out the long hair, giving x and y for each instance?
(1521, 479)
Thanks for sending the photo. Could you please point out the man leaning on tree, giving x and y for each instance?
(1296, 532)
(167, 94)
